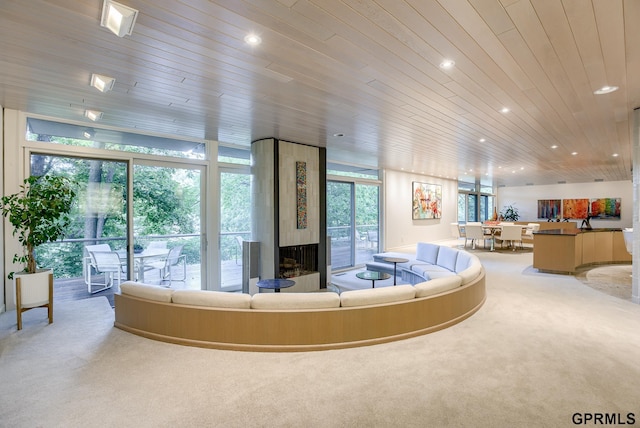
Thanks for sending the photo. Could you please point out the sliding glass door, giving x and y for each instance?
(352, 222)
(167, 229)
(235, 224)
(99, 224)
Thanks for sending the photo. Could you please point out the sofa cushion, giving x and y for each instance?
(375, 296)
(146, 291)
(319, 300)
(427, 252)
(438, 285)
(447, 257)
(472, 272)
(427, 270)
(464, 260)
(218, 299)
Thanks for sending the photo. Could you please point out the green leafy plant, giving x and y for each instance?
(510, 213)
(39, 213)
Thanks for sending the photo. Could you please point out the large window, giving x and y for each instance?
(475, 203)
(156, 223)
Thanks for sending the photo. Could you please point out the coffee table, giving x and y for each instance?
(373, 276)
(395, 261)
(275, 284)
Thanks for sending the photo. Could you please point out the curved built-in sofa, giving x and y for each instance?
(304, 321)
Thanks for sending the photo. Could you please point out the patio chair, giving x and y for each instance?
(239, 241)
(172, 260)
(109, 264)
(87, 265)
(372, 238)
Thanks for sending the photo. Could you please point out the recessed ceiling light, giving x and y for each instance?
(93, 114)
(605, 90)
(253, 39)
(118, 18)
(555, 146)
(574, 153)
(615, 155)
(102, 83)
(504, 110)
(447, 63)
(482, 140)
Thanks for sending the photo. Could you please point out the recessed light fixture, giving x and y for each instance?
(504, 110)
(615, 155)
(605, 90)
(118, 18)
(252, 39)
(447, 63)
(574, 153)
(555, 146)
(482, 140)
(93, 114)
(102, 83)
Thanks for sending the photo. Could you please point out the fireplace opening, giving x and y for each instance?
(298, 260)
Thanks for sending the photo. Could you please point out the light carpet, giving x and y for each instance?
(542, 348)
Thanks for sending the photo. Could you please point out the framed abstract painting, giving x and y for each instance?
(427, 201)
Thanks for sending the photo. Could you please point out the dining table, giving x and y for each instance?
(493, 228)
(142, 259)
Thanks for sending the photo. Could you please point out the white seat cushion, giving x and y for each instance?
(319, 300)
(375, 296)
(218, 299)
(146, 291)
(438, 285)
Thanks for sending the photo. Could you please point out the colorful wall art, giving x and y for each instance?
(605, 208)
(301, 194)
(427, 201)
(575, 208)
(549, 208)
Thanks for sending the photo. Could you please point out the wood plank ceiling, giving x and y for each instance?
(368, 69)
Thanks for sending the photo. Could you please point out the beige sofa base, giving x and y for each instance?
(297, 330)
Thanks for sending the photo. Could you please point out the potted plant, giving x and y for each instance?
(509, 213)
(39, 213)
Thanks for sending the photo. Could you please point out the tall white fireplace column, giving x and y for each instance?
(289, 211)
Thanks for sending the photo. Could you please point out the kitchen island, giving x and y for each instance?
(567, 250)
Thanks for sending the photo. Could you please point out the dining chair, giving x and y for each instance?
(511, 233)
(475, 232)
(531, 229)
(462, 233)
(627, 233)
(109, 264)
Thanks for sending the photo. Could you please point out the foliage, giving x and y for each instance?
(39, 213)
(510, 213)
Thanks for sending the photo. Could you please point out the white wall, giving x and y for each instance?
(401, 232)
(525, 198)
(2, 287)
